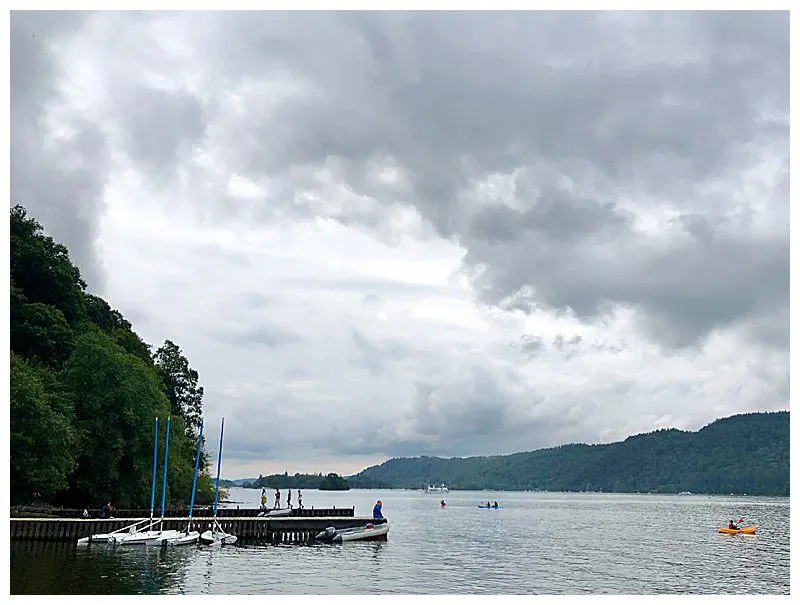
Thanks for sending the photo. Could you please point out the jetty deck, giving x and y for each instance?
(24, 512)
(294, 529)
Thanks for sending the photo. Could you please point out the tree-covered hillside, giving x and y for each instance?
(298, 480)
(743, 454)
(85, 390)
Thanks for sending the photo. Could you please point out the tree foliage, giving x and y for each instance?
(180, 382)
(743, 454)
(85, 389)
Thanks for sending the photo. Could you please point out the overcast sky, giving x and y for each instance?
(381, 235)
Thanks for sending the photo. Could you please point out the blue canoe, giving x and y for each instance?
(481, 506)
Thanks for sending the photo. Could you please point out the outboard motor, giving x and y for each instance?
(327, 536)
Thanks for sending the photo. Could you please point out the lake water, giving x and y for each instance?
(539, 543)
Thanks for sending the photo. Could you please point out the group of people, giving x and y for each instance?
(278, 498)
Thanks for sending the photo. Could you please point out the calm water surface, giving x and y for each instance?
(539, 543)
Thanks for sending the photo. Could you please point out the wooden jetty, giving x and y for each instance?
(74, 513)
(295, 530)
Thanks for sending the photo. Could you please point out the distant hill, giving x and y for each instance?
(236, 482)
(742, 454)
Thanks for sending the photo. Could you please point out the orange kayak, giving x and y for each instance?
(743, 530)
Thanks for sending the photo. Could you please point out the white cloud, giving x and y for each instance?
(373, 238)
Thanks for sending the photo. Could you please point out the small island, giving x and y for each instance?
(334, 482)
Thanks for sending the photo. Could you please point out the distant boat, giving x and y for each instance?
(684, 493)
(432, 489)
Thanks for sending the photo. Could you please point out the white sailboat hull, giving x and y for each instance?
(217, 537)
(188, 538)
(164, 537)
(140, 537)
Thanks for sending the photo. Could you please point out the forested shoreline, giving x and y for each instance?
(85, 389)
(742, 454)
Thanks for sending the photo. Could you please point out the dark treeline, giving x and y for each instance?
(331, 481)
(743, 454)
(85, 390)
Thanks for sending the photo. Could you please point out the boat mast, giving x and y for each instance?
(194, 483)
(155, 459)
(219, 467)
(164, 486)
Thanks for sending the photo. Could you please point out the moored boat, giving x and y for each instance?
(141, 526)
(368, 532)
(217, 535)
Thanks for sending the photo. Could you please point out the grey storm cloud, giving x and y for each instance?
(589, 165)
(61, 181)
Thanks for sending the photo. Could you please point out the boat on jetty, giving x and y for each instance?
(275, 512)
(368, 532)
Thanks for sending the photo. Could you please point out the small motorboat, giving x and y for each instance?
(368, 532)
(742, 530)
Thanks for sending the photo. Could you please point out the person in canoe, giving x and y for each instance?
(376, 511)
(443, 504)
(732, 525)
(495, 504)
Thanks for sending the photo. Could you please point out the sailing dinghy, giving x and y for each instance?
(189, 536)
(217, 535)
(139, 525)
(149, 535)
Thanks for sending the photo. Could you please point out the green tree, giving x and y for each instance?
(39, 331)
(116, 398)
(42, 269)
(180, 382)
(42, 438)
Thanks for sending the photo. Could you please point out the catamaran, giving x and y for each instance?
(139, 525)
(217, 535)
(189, 536)
(148, 535)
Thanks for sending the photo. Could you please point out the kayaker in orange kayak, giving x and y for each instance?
(732, 525)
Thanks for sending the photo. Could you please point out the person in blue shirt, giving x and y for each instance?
(376, 511)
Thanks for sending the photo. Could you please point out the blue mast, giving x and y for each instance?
(219, 466)
(164, 486)
(155, 459)
(196, 467)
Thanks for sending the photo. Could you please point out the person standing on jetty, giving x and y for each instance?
(277, 498)
(299, 499)
(376, 511)
(263, 498)
(289, 499)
